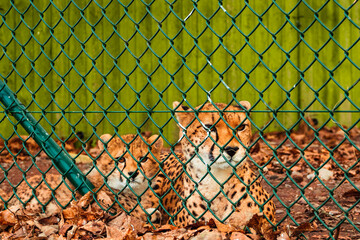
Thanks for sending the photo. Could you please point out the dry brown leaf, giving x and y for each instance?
(46, 231)
(125, 222)
(352, 193)
(180, 233)
(20, 233)
(48, 220)
(208, 234)
(70, 212)
(116, 233)
(85, 200)
(71, 232)
(60, 238)
(283, 236)
(8, 218)
(262, 227)
(63, 230)
(164, 228)
(113, 232)
(239, 236)
(5, 235)
(95, 228)
(227, 228)
(81, 212)
(302, 228)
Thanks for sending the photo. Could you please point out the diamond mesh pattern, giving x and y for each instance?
(111, 66)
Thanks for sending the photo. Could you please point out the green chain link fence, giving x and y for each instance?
(106, 66)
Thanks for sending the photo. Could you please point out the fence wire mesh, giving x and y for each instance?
(83, 68)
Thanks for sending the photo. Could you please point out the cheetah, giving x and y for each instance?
(38, 193)
(131, 176)
(128, 176)
(219, 183)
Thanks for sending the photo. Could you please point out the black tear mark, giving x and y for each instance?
(211, 156)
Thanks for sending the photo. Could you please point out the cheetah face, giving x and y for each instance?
(219, 140)
(127, 163)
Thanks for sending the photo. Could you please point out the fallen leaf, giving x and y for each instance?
(302, 228)
(96, 227)
(179, 233)
(116, 233)
(239, 236)
(113, 232)
(283, 236)
(125, 222)
(46, 231)
(63, 230)
(208, 234)
(165, 228)
(7, 218)
(20, 233)
(70, 212)
(48, 220)
(352, 193)
(85, 200)
(71, 232)
(262, 226)
(227, 228)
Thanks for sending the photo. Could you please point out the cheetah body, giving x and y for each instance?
(219, 184)
(128, 176)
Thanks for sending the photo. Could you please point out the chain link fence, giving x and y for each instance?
(88, 67)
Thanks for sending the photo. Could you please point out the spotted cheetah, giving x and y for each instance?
(131, 176)
(219, 183)
(38, 193)
(128, 176)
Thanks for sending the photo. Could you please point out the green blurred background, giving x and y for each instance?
(104, 66)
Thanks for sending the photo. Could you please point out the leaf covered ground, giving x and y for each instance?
(316, 177)
(85, 220)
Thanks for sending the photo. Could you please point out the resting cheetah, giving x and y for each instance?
(128, 176)
(210, 167)
(131, 175)
(36, 194)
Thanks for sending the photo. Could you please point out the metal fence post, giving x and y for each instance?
(58, 156)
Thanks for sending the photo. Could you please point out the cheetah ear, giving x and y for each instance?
(245, 104)
(156, 142)
(184, 116)
(104, 139)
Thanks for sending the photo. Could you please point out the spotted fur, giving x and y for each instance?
(214, 147)
(117, 171)
(128, 168)
(36, 196)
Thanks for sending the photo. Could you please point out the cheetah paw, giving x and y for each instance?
(155, 215)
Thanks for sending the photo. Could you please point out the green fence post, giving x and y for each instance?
(58, 156)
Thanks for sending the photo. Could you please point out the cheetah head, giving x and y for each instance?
(126, 162)
(217, 134)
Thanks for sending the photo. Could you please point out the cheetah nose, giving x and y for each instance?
(132, 175)
(231, 150)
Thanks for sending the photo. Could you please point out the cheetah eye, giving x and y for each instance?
(210, 127)
(241, 127)
(144, 159)
(120, 159)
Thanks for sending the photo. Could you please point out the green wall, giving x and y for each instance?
(100, 66)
